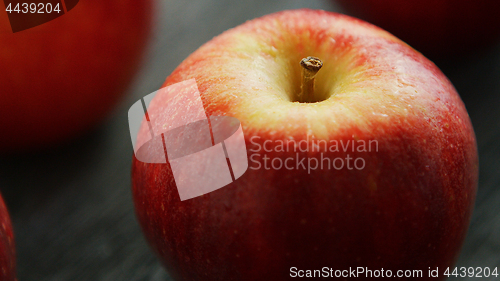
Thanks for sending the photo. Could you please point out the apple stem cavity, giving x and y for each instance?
(310, 67)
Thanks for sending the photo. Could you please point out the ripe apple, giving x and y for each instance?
(398, 152)
(438, 28)
(61, 78)
(7, 249)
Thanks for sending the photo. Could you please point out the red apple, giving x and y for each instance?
(61, 78)
(439, 28)
(7, 249)
(400, 202)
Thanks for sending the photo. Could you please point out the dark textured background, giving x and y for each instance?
(72, 208)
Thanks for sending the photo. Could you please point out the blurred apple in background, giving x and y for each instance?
(61, 78)
(437, 28)
(7, 249)
(406, 207)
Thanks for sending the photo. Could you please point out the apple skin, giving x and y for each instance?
(7, 248)
(442, 28)
(409, 208)
(62, 78)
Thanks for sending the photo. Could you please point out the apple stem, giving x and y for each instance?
(310, 67)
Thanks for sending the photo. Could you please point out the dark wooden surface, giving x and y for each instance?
(72, 208)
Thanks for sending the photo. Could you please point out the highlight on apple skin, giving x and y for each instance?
(7, 247)
(406, 205)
